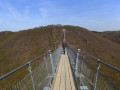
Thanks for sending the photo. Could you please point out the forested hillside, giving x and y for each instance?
(17, 48)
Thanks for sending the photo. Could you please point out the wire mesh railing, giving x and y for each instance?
(40, 72)
(72, 56)
(56, 56)
(89, 74)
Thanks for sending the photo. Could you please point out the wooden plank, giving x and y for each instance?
(56, 85)
(63, 79)
(68, 82)
(71, 77)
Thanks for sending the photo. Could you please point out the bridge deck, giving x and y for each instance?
(63, 79)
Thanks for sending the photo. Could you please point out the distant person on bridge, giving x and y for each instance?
(64, 46)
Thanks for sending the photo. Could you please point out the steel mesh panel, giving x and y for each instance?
(56, 56)
(87, 73)
(42, 74)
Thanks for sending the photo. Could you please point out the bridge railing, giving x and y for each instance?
(36, 74)
(88, 71)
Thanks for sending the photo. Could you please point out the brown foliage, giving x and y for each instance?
(114, 36)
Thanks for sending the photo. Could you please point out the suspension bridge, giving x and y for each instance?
(57, 71)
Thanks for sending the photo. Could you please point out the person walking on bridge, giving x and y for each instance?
(64, 46)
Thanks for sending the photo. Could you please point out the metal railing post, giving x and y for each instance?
(98, 66)
(77, 57)
(51, 62)
(29, 68)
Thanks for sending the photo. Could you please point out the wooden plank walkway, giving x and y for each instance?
(63, 79)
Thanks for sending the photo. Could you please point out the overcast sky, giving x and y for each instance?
(99, 15)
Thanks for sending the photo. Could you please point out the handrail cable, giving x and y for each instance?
(6, 75)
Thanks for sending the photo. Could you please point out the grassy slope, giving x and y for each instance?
(18, 48)
(97, 46)
(111, 35)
